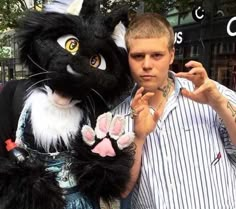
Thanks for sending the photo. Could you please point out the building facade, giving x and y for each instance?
(208, 37)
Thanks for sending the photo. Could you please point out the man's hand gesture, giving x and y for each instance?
(144, 119)
(205, 91)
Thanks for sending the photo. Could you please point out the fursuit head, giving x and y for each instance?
(60, 147)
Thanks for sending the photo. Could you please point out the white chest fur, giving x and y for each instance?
(52, 124)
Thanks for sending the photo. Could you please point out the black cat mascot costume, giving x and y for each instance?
(60, 148)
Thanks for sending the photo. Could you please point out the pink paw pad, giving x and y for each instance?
(107, 126)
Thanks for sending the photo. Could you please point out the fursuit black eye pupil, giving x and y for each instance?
(72, 45)
(95, 61)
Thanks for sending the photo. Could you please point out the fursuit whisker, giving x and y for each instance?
(47, 72)
(91, 103)
(101, 97)
(46, 79)
(36, 64)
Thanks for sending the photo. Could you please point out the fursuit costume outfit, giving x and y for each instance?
(60, 148)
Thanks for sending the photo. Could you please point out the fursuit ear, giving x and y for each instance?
(84, 8)
(113, 25)
(118, 35)
(91, 8)
(117, 15)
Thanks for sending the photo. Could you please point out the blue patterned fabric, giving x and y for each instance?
(58, 163)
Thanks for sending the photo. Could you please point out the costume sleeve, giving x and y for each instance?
(230, 148)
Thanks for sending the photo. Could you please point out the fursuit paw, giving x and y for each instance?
(107, 131)
(103, 158)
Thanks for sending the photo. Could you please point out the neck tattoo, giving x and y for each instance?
(165, 93)
(166, 89)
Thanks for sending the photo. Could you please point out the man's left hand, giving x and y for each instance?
(205, 90)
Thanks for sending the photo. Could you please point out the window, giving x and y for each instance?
(179, 52)
(194, 51)
(173, 19)
(186, 18)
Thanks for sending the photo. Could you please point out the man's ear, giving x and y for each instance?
(172, 55)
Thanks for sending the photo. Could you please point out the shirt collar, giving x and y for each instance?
(177, 82)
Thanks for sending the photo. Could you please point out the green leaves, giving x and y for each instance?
(108, 5)
(10, 11)
(159, 6)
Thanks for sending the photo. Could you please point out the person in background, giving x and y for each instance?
(184, 123)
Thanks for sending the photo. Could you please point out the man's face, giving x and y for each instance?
(149, 60)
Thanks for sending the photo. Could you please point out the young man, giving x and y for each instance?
(185, 126)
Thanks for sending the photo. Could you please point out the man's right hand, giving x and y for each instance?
(144, 120)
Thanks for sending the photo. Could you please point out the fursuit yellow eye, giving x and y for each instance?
(98, 61)
(70, 43)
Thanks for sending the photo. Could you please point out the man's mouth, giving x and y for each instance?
(146, 77)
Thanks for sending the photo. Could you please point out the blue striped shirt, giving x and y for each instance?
(178, 169)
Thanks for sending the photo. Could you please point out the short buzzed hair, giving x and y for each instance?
(150, 25)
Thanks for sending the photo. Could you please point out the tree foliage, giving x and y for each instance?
(10, 11)
(3, 41)
(108, 5)
(159, 6)
(164, 6)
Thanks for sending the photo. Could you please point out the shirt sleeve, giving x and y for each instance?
(230, 148)
(123, 108)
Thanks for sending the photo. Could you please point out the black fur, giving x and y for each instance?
(27, 186)
(38, 37)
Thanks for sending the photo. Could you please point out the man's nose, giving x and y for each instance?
(147, 64)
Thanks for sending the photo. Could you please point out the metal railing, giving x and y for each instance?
(11, 68)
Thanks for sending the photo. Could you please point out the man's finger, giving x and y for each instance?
(147, 96)
(156, 116)
(186, 93)
(192, 64)
(137, 97)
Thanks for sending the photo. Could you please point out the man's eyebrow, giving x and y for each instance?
(152, 52)
(137, 53)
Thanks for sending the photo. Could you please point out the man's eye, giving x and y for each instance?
(137, 56)
(157, 56)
